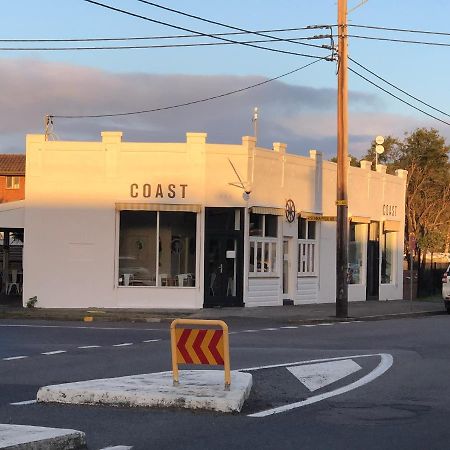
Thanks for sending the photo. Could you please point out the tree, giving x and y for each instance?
(390, 156)
(354, 161)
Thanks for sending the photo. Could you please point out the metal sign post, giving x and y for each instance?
(200, 346)
(412, 247)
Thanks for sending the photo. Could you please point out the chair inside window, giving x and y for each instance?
(13, 283)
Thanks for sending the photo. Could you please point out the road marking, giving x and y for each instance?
(324, 324)
(80, 327)
(319, 375)
(384, 365)
(12, 358)
(118, 447)
(25, 402)
(152, 340)
(249, 331)
(125, 344)
(269, 329)
(289, 328)
(55, 352)
(89, 346)
(308, 326)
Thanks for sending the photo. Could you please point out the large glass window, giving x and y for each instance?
(12, 182)
(157, 248)
(388, 245)
(263, 243)
(307, 247)
(356, 245)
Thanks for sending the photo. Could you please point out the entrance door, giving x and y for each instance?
(224, 249)
(373, 263)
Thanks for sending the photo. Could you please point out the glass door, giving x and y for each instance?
(373, 263)
(223, 257)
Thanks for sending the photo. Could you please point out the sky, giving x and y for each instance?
(298, 109)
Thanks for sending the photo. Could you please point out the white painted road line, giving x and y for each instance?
(324, 324)
(249, 331)
(384, 365)
(125, 344)
(152, 340)
(25, 402)
(81, 327)
(289, 328)
(269, 329)
(309, 326)
(319, 375)
(118, 447)
(12, 358)
(89, 346)
(55, 352)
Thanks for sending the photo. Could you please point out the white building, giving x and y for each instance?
(186, 225)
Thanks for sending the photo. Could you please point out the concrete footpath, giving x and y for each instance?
(312, 313)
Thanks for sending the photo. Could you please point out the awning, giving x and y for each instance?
(12, 214)
(360, 219)
(316, 217)
(157, 207)
(391, 225)
(267, 210)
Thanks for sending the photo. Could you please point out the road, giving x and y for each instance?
(407, 406)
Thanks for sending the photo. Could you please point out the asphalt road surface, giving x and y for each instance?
(382, 385)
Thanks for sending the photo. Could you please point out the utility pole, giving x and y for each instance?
(342, 166)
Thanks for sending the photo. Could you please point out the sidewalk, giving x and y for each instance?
(325, 312)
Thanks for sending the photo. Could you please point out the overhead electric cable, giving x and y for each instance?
(179, 36)
(221, 24)
(403, 41)
(397, 97)
(438, 33)
(127, 47)
(197, 32)
(399, 89)
(193, 102)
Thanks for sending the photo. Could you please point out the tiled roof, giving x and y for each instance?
(12, 164)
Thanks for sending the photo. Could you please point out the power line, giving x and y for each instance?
(193, 102)
(395, 96)
(179, 36)
(193, 31)
(399, 89)
(128, 47)
(438, 33)
(405, 41)
(192, 16)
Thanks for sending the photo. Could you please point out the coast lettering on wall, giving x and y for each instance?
(389, 210)
(159, 190)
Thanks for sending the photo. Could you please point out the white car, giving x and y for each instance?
(446, 288)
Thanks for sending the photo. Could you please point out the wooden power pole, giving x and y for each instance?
(342, 166)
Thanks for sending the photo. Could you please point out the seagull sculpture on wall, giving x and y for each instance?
(245, 186)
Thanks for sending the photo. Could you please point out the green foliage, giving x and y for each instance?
(31, 303)
(353, 160)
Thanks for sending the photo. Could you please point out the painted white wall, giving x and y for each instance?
(71, 230)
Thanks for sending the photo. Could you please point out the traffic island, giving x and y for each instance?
(24, 437)
(197, 389)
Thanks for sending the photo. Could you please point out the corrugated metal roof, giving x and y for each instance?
(12, 164)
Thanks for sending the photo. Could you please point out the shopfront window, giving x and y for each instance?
(307, 247)
(157, 248)
(388, 245)
(356, 244)
(263, 244)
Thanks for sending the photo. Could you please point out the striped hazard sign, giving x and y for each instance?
(199, 346)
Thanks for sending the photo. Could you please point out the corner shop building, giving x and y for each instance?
(170, 225)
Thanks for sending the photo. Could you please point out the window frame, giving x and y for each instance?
(383, 243)
(157, 284)
(264, 242)
(308, 256)
(13, 181)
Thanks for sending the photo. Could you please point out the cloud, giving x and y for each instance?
(301, 116)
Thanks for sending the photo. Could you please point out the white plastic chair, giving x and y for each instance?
(13, 283)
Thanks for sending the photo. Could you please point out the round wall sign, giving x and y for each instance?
(290, 210)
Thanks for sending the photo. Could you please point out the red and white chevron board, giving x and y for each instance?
(196, 346)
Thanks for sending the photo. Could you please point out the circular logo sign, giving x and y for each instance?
(290, 210)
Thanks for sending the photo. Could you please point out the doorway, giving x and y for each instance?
(224, 255)
(373, 262)
(287, 295)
